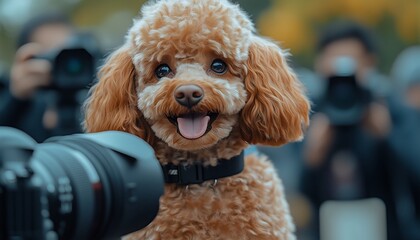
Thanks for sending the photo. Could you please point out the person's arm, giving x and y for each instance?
(318, 141)
(26, 77)
(12, 109)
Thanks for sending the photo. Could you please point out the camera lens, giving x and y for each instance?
(73, 66)
(98, 186)
(73, 69)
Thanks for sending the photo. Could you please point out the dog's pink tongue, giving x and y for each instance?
(192, 127)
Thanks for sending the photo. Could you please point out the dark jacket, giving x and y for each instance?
(27, 115)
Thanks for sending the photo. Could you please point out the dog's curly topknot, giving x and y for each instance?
(215, 24)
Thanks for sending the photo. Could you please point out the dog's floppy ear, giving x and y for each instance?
(112, 104)
(276, 111)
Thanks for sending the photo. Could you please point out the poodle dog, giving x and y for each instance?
(197, 83)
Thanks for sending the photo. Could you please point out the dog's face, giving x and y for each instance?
(191, 102)
(195, 71)
(190, 67)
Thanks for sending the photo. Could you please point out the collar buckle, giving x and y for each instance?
(184, 174)
(190, 174)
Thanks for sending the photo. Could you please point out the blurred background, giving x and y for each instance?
(357, 173)
(294, 23)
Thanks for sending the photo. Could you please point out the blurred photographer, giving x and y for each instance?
(41, 100)
(405, 141)
(345, 150)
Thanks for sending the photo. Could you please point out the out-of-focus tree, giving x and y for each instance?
(295, 23)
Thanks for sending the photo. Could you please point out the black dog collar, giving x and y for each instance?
(197, 173)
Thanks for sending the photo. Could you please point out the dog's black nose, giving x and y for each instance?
(188, 95)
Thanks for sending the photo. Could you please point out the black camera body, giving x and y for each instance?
(74, 65)
(73, 68)
(345, 100)
(83, 186)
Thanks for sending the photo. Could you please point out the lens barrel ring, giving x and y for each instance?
(83, 195)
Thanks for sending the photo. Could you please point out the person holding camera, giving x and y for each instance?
(405, 140)
(28, 105)
(345, 150)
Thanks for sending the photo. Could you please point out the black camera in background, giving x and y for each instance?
(83, 186)
(74, 65)
(74, 68)
(345, 100)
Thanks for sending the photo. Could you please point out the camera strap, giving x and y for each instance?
(197, 173)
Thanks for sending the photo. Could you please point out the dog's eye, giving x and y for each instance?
(162, 70)
(218, 66)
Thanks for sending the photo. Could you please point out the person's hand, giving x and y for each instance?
(378, 120)
(28, 74)
(318, 140)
